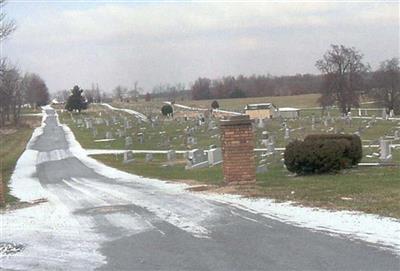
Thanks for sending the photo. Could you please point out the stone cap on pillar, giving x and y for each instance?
(236, 120)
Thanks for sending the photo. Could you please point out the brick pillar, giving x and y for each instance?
(238, 150)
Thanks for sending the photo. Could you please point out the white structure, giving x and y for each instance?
(289, 112)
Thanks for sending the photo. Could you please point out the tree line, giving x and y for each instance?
(255, 86)
(17, 89)
(344, 79)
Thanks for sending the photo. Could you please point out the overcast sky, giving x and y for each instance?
(111, 42)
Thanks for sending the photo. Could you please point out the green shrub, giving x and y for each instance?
(318, 156)
(353, 150)
(167, 110)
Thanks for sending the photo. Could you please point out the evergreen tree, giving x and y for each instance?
(76, 100)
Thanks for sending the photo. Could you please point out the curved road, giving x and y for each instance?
(146, 227)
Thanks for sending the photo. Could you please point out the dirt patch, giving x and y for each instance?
(7, 131)
(30, 122)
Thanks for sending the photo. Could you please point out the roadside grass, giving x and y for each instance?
(373, 190)
(12, 144)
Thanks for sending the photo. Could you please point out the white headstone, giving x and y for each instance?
(196, 159)
(128, 141)
(287, 134)
(384, 114)
(214, 156)
(128, 157)
(149, 157)
(384, 150)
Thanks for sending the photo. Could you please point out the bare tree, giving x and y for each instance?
(36, 92)
(386, 81)
(6, 26)
(10, 93)
(343, 71)
(120, 93)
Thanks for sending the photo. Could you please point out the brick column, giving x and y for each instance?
(238, 150)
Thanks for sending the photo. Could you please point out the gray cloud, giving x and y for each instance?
(154, 43)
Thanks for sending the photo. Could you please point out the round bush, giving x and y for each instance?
(319, 156)
(353, 149)
(167, 110)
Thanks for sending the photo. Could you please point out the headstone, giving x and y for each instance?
(128, 141)
(109, 135)
(326, 122)
(384, 114)
(214, 156)
(127, 124)
(149, 157)
(396, 135)
(262, 168)
(94, 131)
(359, 112)
(384, 150)
(141, 138)
(128, 157)
(196, 159)
(261, 124)
(171, 155)
(264, 138)
(88, 124)
(191, 140)
(287, 134)
(391, 113)
(271, 146)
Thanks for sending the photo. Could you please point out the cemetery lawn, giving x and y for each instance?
(159, 169)
(12, 144)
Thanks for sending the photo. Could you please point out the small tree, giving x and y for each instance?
(167, 110)
(76, 101)
(215, 104)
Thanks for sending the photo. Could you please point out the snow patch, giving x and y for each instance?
(354, 225)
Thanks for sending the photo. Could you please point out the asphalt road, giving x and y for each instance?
(146, 227)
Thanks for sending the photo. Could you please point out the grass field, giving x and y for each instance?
(12, 144)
